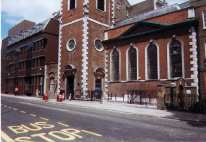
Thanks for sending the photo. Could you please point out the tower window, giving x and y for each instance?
(71, 4)
(98, 45)
(100, 5)
(71, 44)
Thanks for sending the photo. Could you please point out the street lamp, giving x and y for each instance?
(41, 82)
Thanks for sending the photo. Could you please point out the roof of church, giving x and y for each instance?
(153, 13)
(159, 28)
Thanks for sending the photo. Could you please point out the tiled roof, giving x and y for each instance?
(154, 13)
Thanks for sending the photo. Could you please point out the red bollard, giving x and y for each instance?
(45, 97)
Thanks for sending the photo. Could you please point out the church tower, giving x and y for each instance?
(81, 55)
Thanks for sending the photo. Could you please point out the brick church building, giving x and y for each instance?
(165, 46)
(81, 54)
(145, 45)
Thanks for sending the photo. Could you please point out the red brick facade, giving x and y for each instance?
(84, 28)
(192, 38)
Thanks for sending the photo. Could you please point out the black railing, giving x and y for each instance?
(141, 97)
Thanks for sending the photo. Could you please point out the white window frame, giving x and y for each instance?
(168, 60)
(68, 5)
(158, 60)
(105, 5)
(68, 49)
(111, 65)
(127, 62)
(203, 19)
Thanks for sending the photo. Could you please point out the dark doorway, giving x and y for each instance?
(70, 87)
(98, 84)
(98, 89)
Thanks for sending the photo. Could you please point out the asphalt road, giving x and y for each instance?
(23, 121)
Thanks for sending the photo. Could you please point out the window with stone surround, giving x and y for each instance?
(71, 44)
(71, 4)
(204, 18)
(115, 65)
(175, 54)
(152, 65)
(132, 63)
(98, 45)
(100, 5)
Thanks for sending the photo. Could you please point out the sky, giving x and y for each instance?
(14, 11)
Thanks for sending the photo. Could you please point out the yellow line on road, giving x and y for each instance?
(44, 118)
(92, 133)
(22, 111)
(60, 123)
(6, 138)
(34, 115)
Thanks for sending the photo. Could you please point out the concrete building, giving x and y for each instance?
(30, 61)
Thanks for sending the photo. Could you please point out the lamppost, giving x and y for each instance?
(41, 82)
(17, 51)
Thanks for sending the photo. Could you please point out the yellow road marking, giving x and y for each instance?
(44, 118)
(34, 115)
(92, 133)
(60, 123)
(6, 138)
(22, 111)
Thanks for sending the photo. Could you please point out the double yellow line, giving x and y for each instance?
(5, 137)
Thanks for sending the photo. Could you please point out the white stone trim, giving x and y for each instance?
(84, 83)
(74, 21)
(113, 12)
(106, 72)
(59, 60)
(98, 22)
(191, 12)
(194, 57)
(61, 7)
(168, 58)
(203, 20)
(127, 62)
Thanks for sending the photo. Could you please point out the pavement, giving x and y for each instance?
(29, 119)
(124, 108)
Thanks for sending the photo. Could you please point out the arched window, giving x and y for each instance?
(152, 65)
(132, 64)
(115, 65)
(175, 54)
